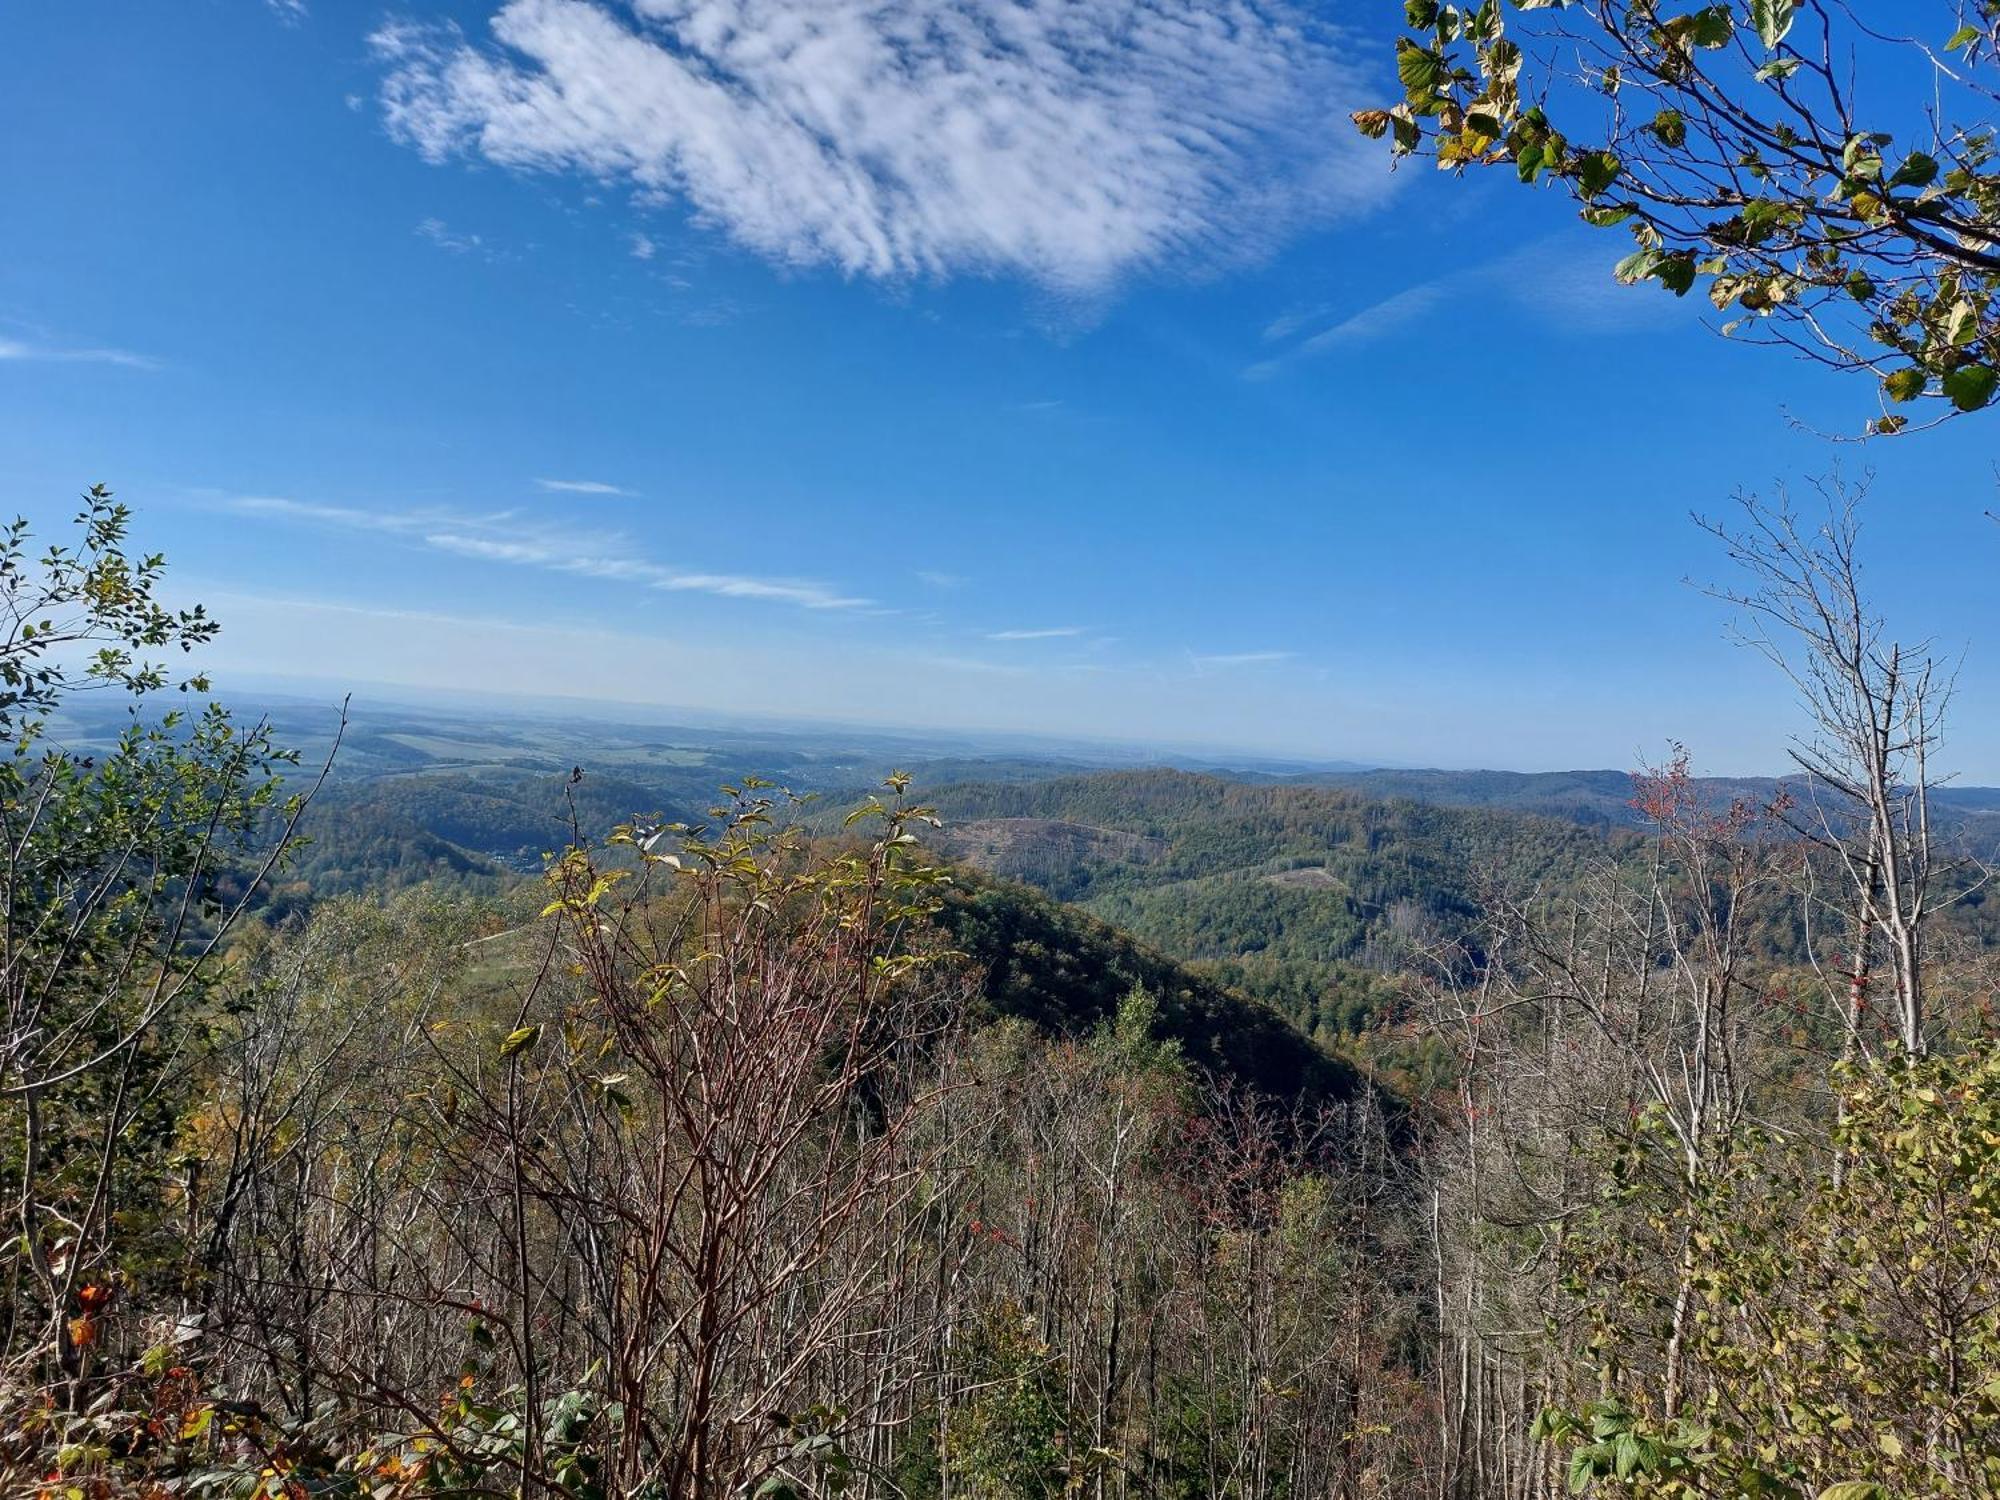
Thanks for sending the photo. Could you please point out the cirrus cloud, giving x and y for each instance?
(1067, 141)
(585, 487)
(503, 537)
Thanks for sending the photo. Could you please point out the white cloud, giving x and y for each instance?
(1566, 282)
(585, 487)
(1227, 659)
(15, 349)
(643, 247)
(1292, 320)
(1047, 633)
(1066, 142)
(1375, 321)
(1383, 318)
(445, 237)
(291, 12)
(503, 538)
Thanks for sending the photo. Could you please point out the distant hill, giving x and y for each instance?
(1313, 890)
(1306, 896)
(1604, 798)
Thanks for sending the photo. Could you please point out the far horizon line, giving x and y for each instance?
(463, 702)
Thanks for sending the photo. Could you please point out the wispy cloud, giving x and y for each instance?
(930, 578)
(1293, 319)
(642, 246)
(979, 665)
(1221, 661)
(1375, 321)
(1566, 281)
(1045, 633)
(1067, 143)
(585, 487)
(445, 237)
(1384, 317)
(291, 12)
(505, 538)
(16, 349)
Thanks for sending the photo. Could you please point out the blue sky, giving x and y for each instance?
(670, 352)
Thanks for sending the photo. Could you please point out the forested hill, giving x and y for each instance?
(1604, 798)
(1064, 971)
(1305, 896)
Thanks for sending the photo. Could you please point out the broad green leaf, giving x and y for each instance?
(1626, 1455)
(1971, 387)
(1637, 266)
(1582, 1469)
(1772, 18)
(1917, 170)
(1596, 172)
(1418, 68)
(520, 1040)
(1712, 26)
(1905, 384)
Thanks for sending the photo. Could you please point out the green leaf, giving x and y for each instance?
(1712, 26)
(1854, 1489)
(1779, 67)
(1582, 1469)
(1625, 1461)
(1772, 18)
(1917, 170)
(1965, 36)
(1970, 387)
(1417, 68)
(1591, 1462)
(520, 1041)
(1904, 385)
(1596, 172)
